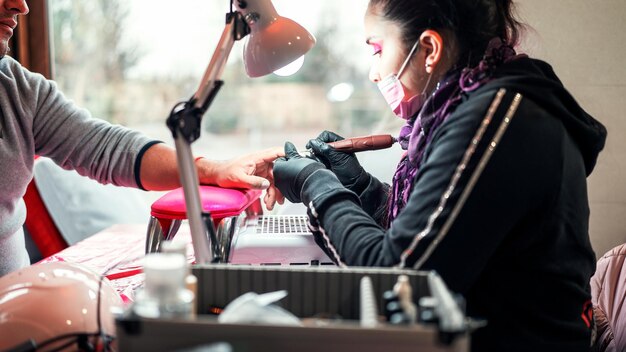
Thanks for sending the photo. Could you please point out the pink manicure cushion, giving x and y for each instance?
(220, 202)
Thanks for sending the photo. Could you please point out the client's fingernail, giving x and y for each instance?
(265, 184)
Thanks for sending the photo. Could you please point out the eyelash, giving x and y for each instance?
(377, 49)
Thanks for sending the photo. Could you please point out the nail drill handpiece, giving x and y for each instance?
(359, 144)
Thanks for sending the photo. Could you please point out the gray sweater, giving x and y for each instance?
(37, 119)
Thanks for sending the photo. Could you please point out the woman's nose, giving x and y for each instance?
(374, 76)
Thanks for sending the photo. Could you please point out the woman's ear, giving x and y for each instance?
(432, 42)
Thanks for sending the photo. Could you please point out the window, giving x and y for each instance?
(131, 61)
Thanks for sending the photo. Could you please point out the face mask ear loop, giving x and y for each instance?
(408, 58)
(430, 76)
(423, 94)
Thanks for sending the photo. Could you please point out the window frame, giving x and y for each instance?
(30, 44)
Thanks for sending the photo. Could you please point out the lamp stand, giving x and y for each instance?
(185, 124)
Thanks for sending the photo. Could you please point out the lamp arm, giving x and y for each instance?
(235, 29)
(185, 124)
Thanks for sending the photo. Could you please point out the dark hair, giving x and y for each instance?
(472, 22)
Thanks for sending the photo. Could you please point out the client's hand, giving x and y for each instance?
(248, 171)
(345, 165)
(292, 170)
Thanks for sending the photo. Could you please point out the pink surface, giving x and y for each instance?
(220, 202)
(117, 253)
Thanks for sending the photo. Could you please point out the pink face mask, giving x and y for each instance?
(393, 92)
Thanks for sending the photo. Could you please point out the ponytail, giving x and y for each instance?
(508, 24)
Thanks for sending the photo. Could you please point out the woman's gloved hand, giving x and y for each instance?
(345, 165)
(292, 170)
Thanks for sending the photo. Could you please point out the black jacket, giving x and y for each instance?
(516, 245)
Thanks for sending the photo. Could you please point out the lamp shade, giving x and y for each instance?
(274, 41)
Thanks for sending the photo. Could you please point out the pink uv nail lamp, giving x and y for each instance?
(224, 204)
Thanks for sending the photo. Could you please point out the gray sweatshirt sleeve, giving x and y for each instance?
(35, 118)
(76, 140)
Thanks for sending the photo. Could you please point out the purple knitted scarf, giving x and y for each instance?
(419, 130)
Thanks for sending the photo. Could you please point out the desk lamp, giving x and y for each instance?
(273, 42)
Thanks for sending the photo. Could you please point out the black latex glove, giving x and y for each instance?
(345, 165)
(292, 170)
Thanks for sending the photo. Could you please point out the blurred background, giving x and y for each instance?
(129, 62)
